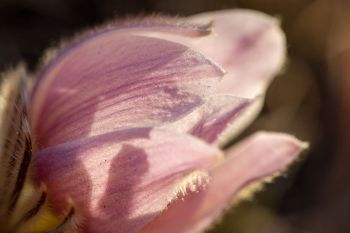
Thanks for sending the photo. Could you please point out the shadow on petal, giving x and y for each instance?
(118, 203)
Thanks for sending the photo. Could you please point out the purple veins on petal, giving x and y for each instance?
(219, 118)
(119, 81)
(133, 26)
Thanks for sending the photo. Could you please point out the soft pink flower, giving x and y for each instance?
(128, 120)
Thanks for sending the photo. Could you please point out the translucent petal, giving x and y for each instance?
(261, 155)
(120, 181)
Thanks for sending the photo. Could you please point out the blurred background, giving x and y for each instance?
(310, 99)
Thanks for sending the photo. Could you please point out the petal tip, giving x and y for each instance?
(283, 143)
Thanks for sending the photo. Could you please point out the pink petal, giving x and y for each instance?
(248, 44)
(114, 81)
(219, 119)
(120, 181)
(261, 155)
(133, 26)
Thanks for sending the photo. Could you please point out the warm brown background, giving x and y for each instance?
(311, 99)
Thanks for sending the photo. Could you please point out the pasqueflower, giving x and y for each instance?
(128, 121)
